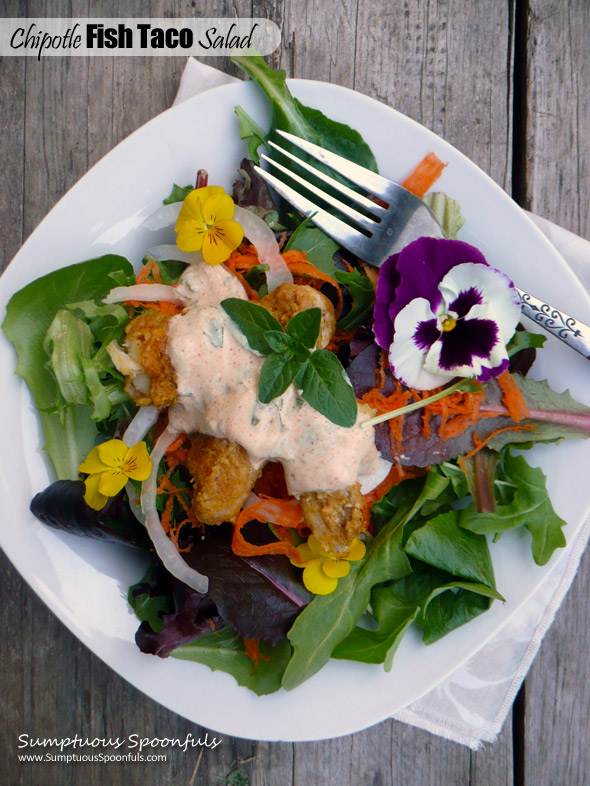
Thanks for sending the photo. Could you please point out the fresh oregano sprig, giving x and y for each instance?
(291, 357)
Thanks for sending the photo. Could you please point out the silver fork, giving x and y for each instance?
(388, 228)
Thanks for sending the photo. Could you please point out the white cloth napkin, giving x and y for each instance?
(471, 705)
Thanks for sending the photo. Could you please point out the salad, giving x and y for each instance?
(310, 451)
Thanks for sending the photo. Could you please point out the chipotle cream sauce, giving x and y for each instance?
(217, 383)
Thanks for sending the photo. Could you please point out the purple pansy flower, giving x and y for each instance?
(443, 312)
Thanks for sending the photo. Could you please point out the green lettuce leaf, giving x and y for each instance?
(69, 431)
(526, 504)
(224, 650)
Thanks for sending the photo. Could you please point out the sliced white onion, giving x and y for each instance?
(164, 216)
(140, 425)
(165, 252)
(165, 548)
(263, 239)
(370, 482)
(134, 504)
(145, 293)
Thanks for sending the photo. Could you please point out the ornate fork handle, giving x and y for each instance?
(573, 332)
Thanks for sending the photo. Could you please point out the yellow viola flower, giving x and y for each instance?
(321, 568)
(205, 224)
(109, 466)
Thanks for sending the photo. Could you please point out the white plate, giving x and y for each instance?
(85, 582)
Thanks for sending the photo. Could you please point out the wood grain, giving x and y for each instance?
(558, 187)
(447, 64)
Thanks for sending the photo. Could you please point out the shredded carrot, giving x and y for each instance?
(285, 513)
(481, 443)
(424, 175)
(245, 258)
(512, 397)
(150, 268)
(160, 305)
(180, 440)
(252, 650)
(172, 528)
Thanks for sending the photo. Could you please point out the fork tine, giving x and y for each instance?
(354, 196)
(351, 238)
(376, 184)
(366, 223)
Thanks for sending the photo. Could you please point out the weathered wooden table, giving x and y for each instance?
(508, 83)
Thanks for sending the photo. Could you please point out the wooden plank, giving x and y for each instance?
(100, 105)
(419, 58)
(558, 113)
(558, 187)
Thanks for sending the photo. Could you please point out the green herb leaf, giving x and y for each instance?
(363, 296)
(178, 194)
(254, 321)
(528, 506)
(224, 651)
(326, 388)
(280, 342)
(304, 327)
(276, 374)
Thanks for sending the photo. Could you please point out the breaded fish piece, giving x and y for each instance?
(289, 299)
(223, 478)
(146, 340)
(335, 517)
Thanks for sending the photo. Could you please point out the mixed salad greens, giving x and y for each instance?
(424, 558)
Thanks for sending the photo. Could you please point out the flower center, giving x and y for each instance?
(447, 322)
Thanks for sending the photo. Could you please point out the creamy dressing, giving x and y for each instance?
(217, 383)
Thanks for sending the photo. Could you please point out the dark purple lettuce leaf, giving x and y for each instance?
(252, 190)
(194, 614)
(61, 506)
(258, 596)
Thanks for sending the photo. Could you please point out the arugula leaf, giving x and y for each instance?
(336, 615)
(326, 388)
(363, 295)
(70, 434)
(250, 130)
(529, 506)
(253, 320)
(178, 194)
(224, 650)
(304, 327)
(318, 247)
(276, 374)
(291, 115)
